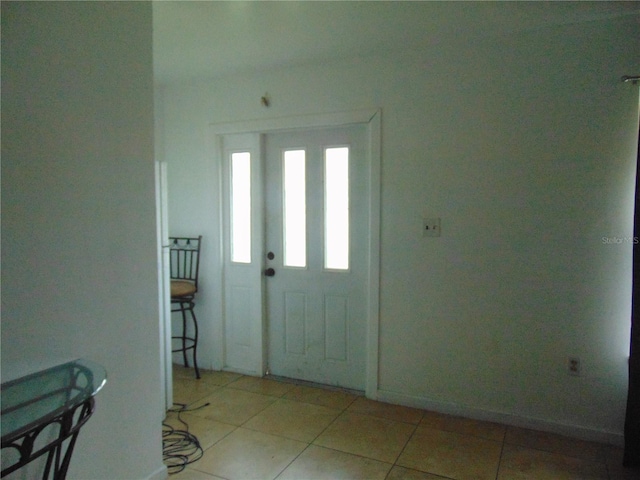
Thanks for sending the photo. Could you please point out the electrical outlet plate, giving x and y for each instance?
(430, 227)
(573, 366)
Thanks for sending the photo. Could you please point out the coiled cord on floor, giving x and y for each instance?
(180, 447)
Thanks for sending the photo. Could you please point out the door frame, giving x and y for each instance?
(371, 118)
(164, 288)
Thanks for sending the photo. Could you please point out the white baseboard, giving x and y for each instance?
(242, 371)
(575, 431)
(160, 474)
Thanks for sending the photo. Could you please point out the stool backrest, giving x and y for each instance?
(185, 258)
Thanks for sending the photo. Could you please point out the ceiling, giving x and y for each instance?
(206, 39)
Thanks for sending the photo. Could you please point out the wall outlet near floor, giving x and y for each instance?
(430, 227)
(574, 367)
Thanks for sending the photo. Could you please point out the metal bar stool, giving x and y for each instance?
(185, 263)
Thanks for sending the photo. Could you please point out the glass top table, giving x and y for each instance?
(51, 396)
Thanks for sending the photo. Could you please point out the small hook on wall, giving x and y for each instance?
(265, 100)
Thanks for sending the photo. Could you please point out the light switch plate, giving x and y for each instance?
(431, 227)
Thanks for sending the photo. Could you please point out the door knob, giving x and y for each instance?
(269, 272)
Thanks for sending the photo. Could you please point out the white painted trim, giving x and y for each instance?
(162, 473)
(243, 371)
(164, 291)
(467, 411)
(215, 147)
(373, 118)
(373, 317)
(267, 125)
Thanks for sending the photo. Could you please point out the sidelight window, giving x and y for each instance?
(241, 207)
(336, 208)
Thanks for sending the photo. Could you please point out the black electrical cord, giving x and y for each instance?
(180, 447)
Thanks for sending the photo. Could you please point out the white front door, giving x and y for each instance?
(316, 254)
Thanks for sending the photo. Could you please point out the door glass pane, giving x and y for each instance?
(336, 208)
(241, 207)
(295, 205)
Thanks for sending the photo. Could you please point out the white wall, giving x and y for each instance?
(79, 275)
(525, 147)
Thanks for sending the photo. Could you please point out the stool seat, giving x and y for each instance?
(182, 288)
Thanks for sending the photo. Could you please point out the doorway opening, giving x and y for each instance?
(299, 259)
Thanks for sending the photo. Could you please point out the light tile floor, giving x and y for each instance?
(253, 428)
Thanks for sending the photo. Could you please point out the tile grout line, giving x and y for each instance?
(415, 429)
(280, 397)
(235, 427)
(191, 465)
(503, 443)
(342, 412)
(310, 443)
(404, 447)
(332, 421)
(293, 460)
